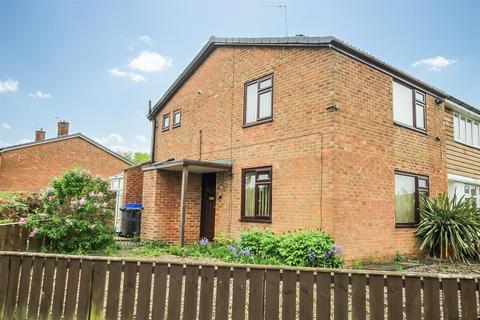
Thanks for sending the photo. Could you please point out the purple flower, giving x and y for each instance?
(312, 256)
(81, 201)
(234, 250)
(91, 194)
(33, 233)
(51, 198)
(105, 204)
(100, 194)
(337, 249)
(23, 221)
(203, 241)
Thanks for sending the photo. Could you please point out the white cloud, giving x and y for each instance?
(117, 143)
(135, 77)
(8, 85)
(40, 95)
(149, 61)
(146, 39)
(437, 63)
(5, 125)
(3, 144)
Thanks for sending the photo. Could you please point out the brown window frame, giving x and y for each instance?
(259, 92)
(256, 217)
(418, 190)
(165, 128)
(176, 125)
(414, 108)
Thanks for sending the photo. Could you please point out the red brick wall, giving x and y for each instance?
(132, 185)
(161, 212)
(332, 170)
(32, 168)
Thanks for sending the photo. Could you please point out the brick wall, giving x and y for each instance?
(332, 170)
(161, 210)
(32, 168)
(132, 185)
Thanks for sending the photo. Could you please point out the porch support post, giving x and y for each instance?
(183, 200)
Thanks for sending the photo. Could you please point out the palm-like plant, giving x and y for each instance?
(450, 228)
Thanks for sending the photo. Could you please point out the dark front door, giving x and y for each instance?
(207, 218)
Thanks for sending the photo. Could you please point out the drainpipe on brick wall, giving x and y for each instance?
(154, 127)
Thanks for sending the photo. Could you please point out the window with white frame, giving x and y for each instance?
(473, 192)
(465, 189)
(466, 130)
(409, 106)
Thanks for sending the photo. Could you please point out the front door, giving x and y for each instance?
(207, 218)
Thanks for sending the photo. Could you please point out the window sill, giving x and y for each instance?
(165, 129)
(465, 144)
(252, 124)
(410, 127)
(176, 126)
(406, 225)
(255, 220)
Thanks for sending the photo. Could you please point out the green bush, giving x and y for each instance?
(449, 228)
(262, 243)
(16, 205)
(76, 215)
(310, 248)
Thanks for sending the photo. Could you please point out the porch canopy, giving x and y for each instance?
(185, 166)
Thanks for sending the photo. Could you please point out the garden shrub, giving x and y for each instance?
(449, 228)
(14, 205)
(77, 214)
(261, 243)
(309, 248)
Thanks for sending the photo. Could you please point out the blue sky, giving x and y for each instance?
(96, 64)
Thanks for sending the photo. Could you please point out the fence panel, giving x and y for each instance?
(45, 286)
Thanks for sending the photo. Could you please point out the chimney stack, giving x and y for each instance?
(63, 127)
(39, 135)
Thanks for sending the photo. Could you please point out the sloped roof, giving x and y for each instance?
(71, 136)
(298, 41)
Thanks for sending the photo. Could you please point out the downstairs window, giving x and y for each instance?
(409, 190)
(257, 194)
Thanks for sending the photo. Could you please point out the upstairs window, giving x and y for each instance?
(466, 130)
(409, 106)
(177, 118)
(257, 194)
(409, 191)
(166, 122)
(258, 101)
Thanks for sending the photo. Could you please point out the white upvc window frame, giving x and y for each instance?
(458, 185)
(466, 130)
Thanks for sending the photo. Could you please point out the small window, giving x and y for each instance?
(257, 194)
(409, 106)
(177, 118)
(409, 192)
(166, 121)
(258, 101)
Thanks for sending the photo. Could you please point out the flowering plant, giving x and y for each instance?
(78, 208)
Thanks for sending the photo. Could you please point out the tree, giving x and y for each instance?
(137, 157)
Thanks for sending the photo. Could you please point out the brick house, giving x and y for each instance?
(300, 133)
(31, 166)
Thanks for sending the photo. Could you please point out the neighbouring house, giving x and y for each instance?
(31, 166)
(302, 133)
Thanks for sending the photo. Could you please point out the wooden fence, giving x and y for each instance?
(13, 237)
(47, 286)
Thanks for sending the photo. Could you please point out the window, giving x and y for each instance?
(409, 106)
(473, 192)
(409, 191)
(258, 101)
(166, 122)
(257, 194)
(466, 130)
(177, 118)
